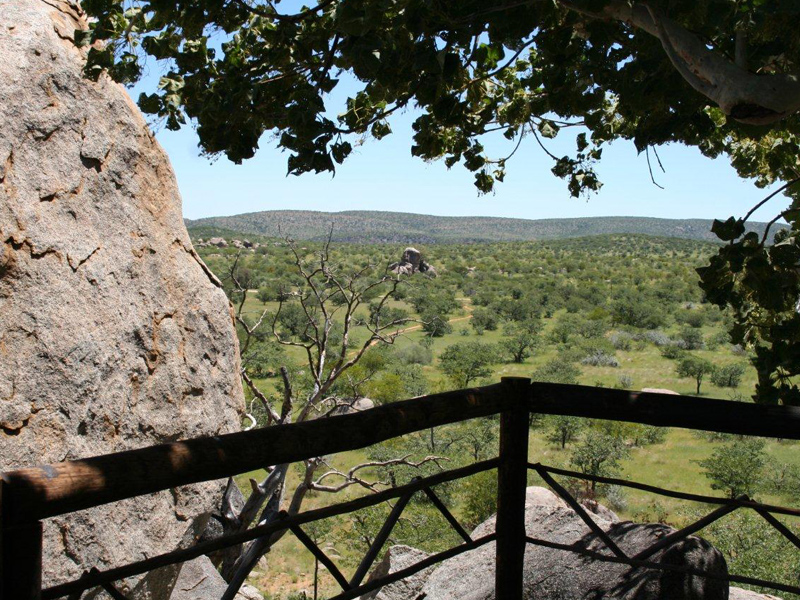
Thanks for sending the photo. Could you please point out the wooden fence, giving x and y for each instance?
(27, 496)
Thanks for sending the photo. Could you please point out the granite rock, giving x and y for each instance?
(113, 333)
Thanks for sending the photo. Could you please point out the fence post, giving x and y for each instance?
(20, 555)
(512, 479)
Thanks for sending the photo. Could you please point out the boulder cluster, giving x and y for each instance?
(556, 574)
(411, 263)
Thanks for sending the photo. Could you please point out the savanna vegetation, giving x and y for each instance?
(715, 75)
(618, 311)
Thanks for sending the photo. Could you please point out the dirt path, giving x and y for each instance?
(418, 327)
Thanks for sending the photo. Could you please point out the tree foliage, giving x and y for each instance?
(736, 467)
(695, 367)
(718, 76)
(467, 362)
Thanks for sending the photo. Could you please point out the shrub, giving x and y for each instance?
(692, 318)
(657, 338)
(622, 340)
(481, 497)
(624, 381)
(752, 548)
(736, 467)
(557, 371)
(692, 338)
(563, 429)
(715, 340)
(600, 359)
(467, 362)
(600, 454)
(414, 355)
(673, 352)
(484, 320)
(435, 324)
(635, 311)
(729, 376)
(616, 498)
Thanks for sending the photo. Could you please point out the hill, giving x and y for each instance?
(407, 228)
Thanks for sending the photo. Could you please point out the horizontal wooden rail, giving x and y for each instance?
(96, 578)
(666, 410)
(41, 492)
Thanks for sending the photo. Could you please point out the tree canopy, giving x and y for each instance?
(709, 74)
(718, 75)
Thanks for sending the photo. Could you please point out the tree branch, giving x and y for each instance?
(745, 96)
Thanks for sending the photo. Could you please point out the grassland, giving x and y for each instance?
(584, 277)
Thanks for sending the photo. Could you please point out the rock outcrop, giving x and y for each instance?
(396, 559)
(113, 333)
(556, 575)
(348, 406)
(740, 594)
(200, 580)
(412, 263)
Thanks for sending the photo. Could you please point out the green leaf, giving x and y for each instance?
(547, 128)
(728, 230)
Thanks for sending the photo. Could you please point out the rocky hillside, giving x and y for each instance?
(406, 228)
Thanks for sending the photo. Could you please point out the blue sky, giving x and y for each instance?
(384, 176)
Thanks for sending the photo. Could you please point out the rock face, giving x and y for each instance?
(349, 406)
(396, 559)
(412, 263)
(558, 575)
(740, 594)
(199, 580)
(113, 334)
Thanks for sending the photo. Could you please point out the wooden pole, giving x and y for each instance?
(512, 478)
(20, 558)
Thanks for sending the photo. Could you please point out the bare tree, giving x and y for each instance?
(328, 300)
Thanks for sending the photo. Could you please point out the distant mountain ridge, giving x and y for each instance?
(408, 228)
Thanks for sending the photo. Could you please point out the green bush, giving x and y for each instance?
(414, 354)
(736, 466)
(557, 371)
(729, 376)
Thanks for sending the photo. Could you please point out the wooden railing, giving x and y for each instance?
(27, 496)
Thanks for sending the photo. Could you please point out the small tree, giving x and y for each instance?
(736, 467)
(599, 453)
(695, 367)
(466, 362)
(520, 339)
(692, 338)
(563, 429)
(323, 331)
(729, 376)
(484, 320)
(557, 371)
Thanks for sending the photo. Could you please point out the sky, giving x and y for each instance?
(382, 175)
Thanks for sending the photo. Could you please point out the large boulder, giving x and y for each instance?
(556, 575)
(396, 559)
(199, 580)
(740, 594)
(113, 333)
(411, 263)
